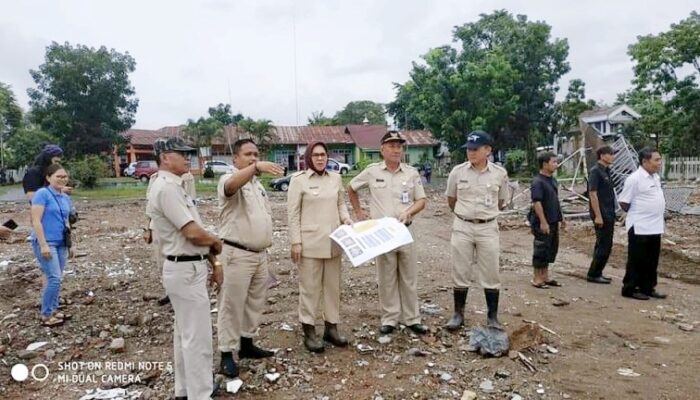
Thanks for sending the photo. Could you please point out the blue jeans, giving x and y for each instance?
(53, 270)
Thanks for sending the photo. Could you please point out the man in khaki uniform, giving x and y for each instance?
(189, 185)
(476, 190)
(315, 208)
(245, 225)
(395, 190)
(186, 247)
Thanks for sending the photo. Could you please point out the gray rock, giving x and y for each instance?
(445, 377)
(468, 395)
(26, 354)
(486, 386)
(117, 346)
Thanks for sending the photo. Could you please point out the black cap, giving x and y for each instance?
(393, 136)
(477, 139)
(163, 145)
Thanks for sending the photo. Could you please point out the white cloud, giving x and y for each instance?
(189, 53)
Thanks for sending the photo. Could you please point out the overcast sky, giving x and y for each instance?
(194, 54)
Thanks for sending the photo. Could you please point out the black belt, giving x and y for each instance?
(199, 257)
(475, 221)
(240, 246)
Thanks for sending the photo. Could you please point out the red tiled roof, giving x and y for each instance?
(364, 136)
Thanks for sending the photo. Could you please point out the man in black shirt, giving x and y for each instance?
(602, 209)
(35, 177)
(544, 218)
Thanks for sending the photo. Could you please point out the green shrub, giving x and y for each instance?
(208, 172)
(87, 171)
(514, 161)
(362, 164)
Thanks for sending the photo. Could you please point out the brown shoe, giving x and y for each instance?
(332, 336)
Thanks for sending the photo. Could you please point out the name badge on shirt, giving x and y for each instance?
(488, 198)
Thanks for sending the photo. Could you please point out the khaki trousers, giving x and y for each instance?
(186, 284)
(242, 298)
(319, 278)
(475, 254)
(397, 274)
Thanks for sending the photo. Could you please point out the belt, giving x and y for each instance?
(198, 257)
(240, 246)
(475, 221)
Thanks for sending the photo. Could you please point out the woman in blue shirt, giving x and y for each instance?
(50, 211)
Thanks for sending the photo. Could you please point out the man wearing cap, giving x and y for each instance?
(186, 247)
(395, 190)
(189, 185)
(476, 190)
(245, 225)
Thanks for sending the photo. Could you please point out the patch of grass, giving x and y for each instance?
(7, 188)
(111, 193)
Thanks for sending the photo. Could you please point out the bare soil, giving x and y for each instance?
(592, 331)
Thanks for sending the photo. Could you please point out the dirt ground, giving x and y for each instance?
(582, 335)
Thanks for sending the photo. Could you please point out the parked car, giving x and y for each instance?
(281, 183)
(129, 170)
(144, 169)
(219, 167)
(333, 165)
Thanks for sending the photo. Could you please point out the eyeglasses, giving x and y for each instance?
(319, 155)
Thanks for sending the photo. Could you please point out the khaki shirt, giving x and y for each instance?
(477, 193)
(170, 208)
(386, 188)
(187, 184)
(245, 217)
(315, 208)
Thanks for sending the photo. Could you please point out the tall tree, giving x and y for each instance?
(501, 75)
(574, 105)
(355, 113)
(83, 96)
(203, 131)
(262, 131)
(666, 90)
(10, 118)
(222, 113)
(26, 143)
(317, 118)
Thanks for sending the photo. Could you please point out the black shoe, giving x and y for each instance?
(599, 279)
(181, 398)
(249, 350)
(636, 296)
(457, 320)
(165, 300)
(492, 296)
(386, 329)
(228, 365)
(332, 336)
(311, 341)
(657, 295)
(606, 278)
(215, 390)
(418, 329)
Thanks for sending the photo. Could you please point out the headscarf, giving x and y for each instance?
(52, 150)
(308, 159)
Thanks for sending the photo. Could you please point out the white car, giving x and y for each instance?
(129, 171)
(219, 167)
(337, 166)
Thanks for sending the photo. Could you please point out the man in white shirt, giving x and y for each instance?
(643, 199)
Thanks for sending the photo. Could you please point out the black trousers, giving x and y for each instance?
(545, 247)
(642, 263)
(602, 249)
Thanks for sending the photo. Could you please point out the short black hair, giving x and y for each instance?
(240, 142)
(646, 153)
(543, 158)
(604, 150)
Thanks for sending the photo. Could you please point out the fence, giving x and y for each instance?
(681, 168)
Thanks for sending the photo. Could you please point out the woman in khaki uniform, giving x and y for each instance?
(315, 208)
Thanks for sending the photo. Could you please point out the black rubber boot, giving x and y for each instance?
(332, 336)
(249, 350)
(228, 364)
(311, 341)
(457, 320)
(492, 305)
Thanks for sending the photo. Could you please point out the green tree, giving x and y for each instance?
(355, 113)
(26, 143)
(666, 90)
(318, 119)
(262, 131)
(10, 119)
(501, 75)
(83, 96)
(203, 131)
(223, 114)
